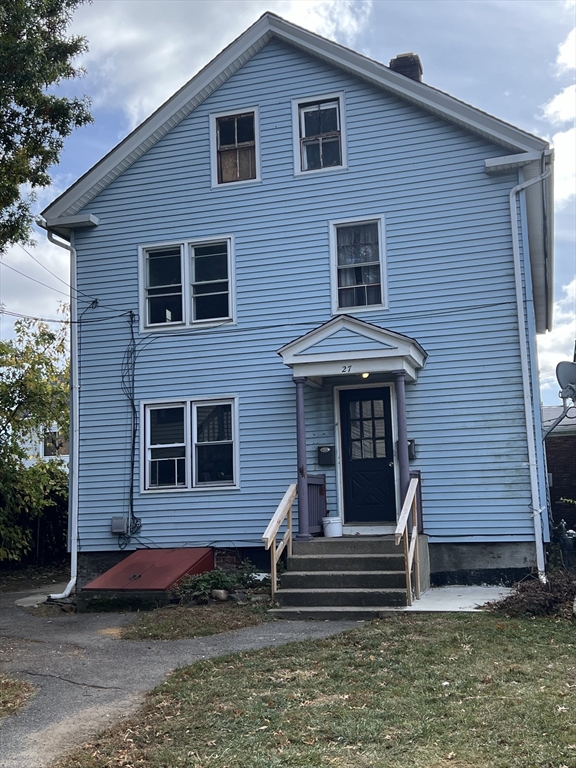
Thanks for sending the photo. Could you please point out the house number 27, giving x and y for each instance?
(346, 368)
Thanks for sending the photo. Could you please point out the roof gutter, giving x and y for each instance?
(74, 417)
(526, 388)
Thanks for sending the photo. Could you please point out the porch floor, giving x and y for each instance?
(455, 599)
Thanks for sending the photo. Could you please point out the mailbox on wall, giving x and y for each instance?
(326, 455)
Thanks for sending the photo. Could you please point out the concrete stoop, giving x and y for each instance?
(349, 578)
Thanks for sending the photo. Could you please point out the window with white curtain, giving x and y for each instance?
(359, 264)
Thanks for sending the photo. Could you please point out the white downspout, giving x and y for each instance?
(74, 431)
(533, 468)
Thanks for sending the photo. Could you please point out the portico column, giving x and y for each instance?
(303, 526)
(403, 456)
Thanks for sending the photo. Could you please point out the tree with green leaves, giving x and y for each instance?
(34, 386)
(36, 55)
(34, 396)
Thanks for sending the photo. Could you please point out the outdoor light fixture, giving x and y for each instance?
(365, 375)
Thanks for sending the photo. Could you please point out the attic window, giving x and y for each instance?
(319, 135)
(236, 147)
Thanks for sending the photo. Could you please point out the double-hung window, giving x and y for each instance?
(166, 438)
(319, 134)
(235, 150)
(190, 444)
(358, 264)
(188, 283)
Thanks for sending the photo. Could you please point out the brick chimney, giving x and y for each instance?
(409, 65)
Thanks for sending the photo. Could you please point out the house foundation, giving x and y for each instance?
(500, 563)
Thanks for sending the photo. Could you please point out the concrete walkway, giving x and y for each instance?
(86, 678)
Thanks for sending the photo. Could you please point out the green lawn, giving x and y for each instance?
(413, 691)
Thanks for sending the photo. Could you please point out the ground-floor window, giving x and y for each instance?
(190, 444)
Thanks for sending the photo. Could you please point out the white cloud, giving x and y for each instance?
(560, 110)
(567, 53)
(564, 166)
(142, 52)
(557, 345)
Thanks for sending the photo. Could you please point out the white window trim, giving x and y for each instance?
(335, 96)
(215, 184)
(187, 322)
(379, 219)
(189, 403)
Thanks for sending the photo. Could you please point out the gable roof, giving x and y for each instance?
(270, 26)
(362, 346)
(63, 215)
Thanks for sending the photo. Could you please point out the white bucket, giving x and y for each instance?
(332, 527)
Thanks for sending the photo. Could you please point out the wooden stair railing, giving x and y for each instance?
(409, 518)
(283, 512)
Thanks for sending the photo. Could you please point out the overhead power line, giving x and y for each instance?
(50, 287)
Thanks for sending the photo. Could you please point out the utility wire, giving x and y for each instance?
(78, 291)
(3, 263)
(8, 313)
(54, 274)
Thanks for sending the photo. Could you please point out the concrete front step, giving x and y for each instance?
(343, 580)
(347, 545)
(357, 598)
(334, 613)
(346, 562)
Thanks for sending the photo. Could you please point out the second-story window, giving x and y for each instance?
(359, 275)
(164, 286)
(236, 147)
(358, 266)
(210, 291)
(187, 283)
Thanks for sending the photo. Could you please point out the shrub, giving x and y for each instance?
(199, 586)
(33, 510)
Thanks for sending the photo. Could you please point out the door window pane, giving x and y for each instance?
(367, 431)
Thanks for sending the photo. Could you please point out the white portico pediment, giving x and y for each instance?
(348, 346)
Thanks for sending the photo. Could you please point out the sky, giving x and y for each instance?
(515, 59)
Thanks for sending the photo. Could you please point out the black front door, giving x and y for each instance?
(367, 456)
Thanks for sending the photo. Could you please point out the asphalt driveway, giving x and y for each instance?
(86, 678)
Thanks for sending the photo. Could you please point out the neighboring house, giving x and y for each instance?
(561, 459)
(303, 241)
(46, 447)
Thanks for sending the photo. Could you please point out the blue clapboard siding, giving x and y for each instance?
(450, 286)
